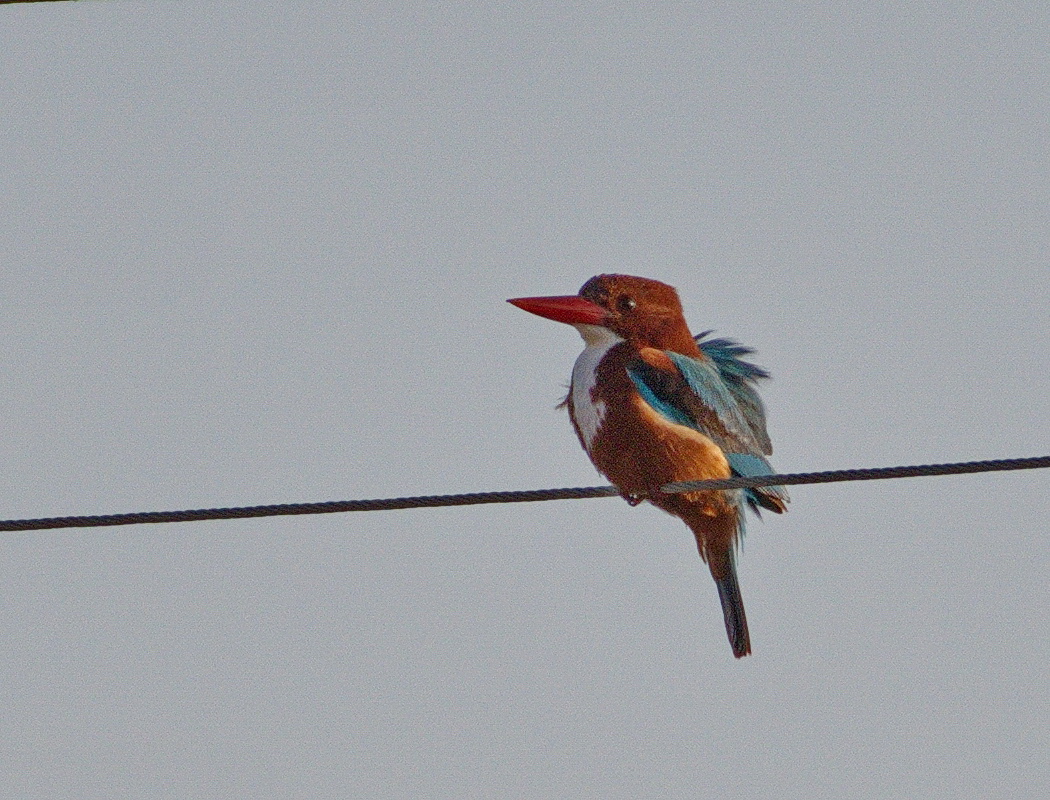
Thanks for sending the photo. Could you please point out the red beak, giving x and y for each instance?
(570, 308)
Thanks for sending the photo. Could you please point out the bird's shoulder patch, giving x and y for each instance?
(657, 359)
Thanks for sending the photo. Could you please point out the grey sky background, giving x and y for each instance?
(255, 253)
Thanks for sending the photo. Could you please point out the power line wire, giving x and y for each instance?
(870, 474)
(527, 496)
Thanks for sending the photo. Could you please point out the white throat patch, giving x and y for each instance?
(587, 411)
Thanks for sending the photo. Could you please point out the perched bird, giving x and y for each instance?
(652, 404)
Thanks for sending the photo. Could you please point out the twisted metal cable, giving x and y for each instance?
(528, 496)
(871, 474)
(290, 509)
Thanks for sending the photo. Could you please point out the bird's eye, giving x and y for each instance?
(625, 304)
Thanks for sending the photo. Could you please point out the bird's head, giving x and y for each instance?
(639, 310)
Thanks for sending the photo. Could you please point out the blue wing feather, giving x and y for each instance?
(706, 381)
(663, 404)
(739, 377)
(723, 383)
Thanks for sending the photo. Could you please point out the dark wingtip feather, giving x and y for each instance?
(768, 498)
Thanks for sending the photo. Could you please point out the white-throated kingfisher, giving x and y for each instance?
(652, 404)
